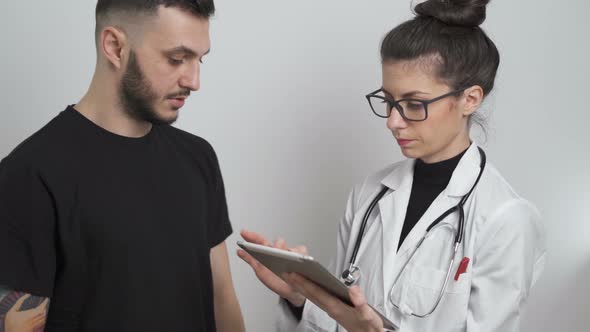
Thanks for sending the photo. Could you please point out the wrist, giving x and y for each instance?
(297, 300)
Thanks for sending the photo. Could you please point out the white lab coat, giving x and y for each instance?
(504, 240)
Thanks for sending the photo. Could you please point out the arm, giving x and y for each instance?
(507, 263)
(228, 316)
(21, 312)
(27, 246)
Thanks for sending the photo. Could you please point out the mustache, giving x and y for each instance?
(183, 93)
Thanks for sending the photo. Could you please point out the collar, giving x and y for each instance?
(461, 181)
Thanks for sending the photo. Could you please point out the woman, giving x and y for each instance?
(449, 245)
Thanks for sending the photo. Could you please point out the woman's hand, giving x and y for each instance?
(268, 278)
(357, 318)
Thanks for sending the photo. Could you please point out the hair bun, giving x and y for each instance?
(467, 13)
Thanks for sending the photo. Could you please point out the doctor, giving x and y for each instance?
(448, 245)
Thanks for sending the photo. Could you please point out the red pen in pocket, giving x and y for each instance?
(462, 268)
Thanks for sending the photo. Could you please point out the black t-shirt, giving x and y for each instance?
(115, 230)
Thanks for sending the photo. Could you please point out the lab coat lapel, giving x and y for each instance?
(392, 209)
(394, 205)
(461, 181)
(465, 173)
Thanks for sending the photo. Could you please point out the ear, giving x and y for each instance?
(114, 43)
(473, 99)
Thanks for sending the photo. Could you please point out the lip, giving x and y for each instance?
(404, 142)
(177, 102)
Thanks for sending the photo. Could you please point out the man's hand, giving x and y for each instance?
(31, 320)
(266, 276)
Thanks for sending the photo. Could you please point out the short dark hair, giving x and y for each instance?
(104, 8)
(449, 31)
(200, 8)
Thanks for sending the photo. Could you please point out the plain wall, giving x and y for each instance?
(282, 101)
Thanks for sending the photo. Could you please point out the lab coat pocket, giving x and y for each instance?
(422, 290)
(432, 280)
(423, 287)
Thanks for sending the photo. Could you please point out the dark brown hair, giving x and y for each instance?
(447, 32)
(200, 8)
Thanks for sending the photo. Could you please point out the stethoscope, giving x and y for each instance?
(351, 275)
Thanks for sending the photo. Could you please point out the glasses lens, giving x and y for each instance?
(413, 109)
(380, 106)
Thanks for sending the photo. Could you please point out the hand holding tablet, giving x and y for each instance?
(267, 260)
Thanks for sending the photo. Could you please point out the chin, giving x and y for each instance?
(411, 153)
(167, 116)
(160, 119)
(169, 119)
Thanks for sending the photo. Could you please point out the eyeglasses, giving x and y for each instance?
(410, 109)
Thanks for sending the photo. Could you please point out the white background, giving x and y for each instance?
(282, 101)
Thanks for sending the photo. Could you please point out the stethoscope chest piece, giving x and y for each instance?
(351, 275)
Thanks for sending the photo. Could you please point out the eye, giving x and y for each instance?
(414, 106)
(175, 62)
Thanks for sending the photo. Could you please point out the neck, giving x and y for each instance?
(455, 147)
(101, 105)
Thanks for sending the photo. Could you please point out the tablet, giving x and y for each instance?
(282, 261)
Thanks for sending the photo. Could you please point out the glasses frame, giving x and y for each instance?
(396, 104)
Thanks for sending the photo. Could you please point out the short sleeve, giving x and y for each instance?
(27, 230)
(219, 227)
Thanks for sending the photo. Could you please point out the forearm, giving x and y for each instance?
(228, 316)
(22, 312)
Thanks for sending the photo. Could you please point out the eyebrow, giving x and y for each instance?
(185, 50)
(407, 94)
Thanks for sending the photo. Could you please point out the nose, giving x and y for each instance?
(191, 77)
(396, 121)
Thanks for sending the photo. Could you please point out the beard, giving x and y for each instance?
(137, 95)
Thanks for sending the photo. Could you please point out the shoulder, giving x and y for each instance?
(499, 206)
(38, 149)
(186, 139)
(190, 146)
(494, 193)
(192, 150)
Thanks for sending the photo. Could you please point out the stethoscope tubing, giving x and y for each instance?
(348, 274)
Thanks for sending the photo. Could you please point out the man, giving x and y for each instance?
(110, 218)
